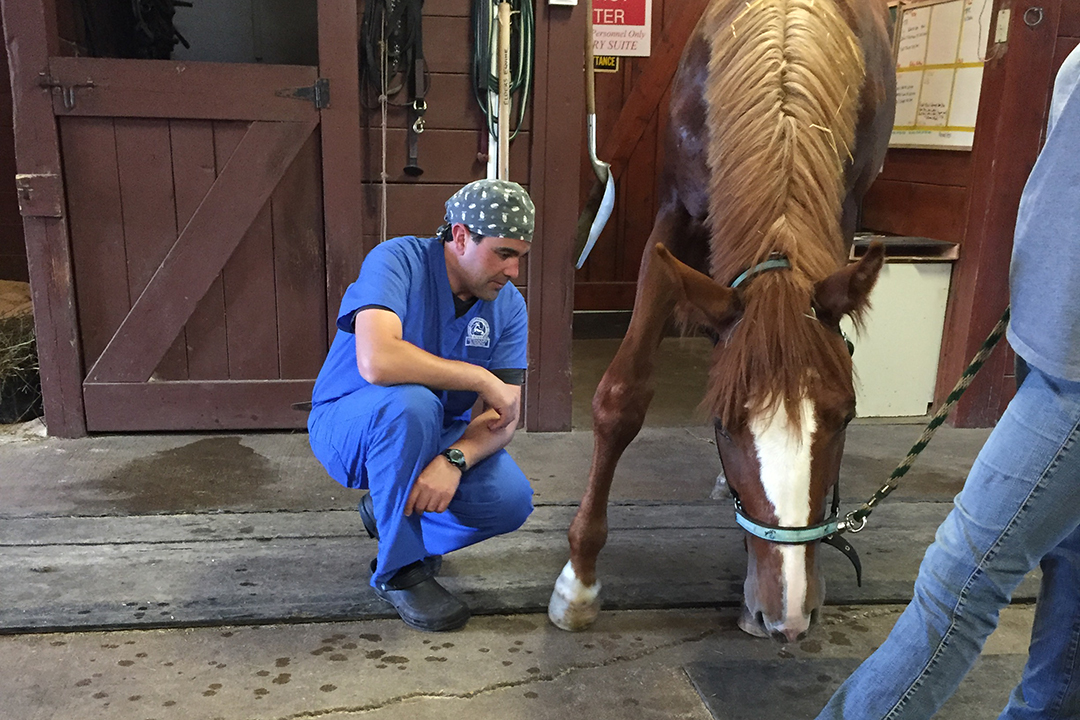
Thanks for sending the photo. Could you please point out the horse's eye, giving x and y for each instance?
(848, 419)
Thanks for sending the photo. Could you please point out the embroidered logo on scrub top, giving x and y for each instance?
(478, 334)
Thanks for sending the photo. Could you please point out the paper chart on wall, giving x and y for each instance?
(939, 66)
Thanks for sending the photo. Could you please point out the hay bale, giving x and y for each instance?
(20, 381)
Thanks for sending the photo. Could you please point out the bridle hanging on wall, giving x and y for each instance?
(392, 61)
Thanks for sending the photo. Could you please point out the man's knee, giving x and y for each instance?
(516, 502)
(409, 408)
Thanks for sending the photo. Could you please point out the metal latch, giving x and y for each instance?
(319, 93)
(66, 90)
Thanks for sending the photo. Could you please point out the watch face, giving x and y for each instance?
(455, 456)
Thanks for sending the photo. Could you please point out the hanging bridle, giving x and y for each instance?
(392, 62)
(829, 531)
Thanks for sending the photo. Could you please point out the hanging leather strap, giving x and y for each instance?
(391, 33)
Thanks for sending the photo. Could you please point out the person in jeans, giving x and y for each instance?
(430, 325)
(1020, 506)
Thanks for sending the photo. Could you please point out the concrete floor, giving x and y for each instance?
(224, 576)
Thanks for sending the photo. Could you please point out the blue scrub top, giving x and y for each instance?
(407, 275)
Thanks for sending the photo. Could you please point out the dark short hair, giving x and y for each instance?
(445, 234)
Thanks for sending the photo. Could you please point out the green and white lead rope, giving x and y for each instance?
(856, 520)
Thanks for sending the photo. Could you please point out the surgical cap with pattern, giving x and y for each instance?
(497, 208)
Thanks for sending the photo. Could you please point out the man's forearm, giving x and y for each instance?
(480, 442)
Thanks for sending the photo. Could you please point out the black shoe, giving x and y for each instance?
(421, 601)
(367, 515)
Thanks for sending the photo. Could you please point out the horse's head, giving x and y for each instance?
(782, 394)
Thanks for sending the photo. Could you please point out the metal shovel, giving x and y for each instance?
(602, 196)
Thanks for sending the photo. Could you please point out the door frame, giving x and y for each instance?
(31, 38)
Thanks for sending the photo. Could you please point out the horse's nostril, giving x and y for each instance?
(781, 637)
(759, 618)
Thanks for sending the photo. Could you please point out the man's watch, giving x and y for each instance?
(456, 458)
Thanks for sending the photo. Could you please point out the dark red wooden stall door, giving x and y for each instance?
(194, 195)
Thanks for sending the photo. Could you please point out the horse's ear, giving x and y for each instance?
(847, 291)
(701, 300)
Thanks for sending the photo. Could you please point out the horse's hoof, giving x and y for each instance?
(573, 606)
(750, 625)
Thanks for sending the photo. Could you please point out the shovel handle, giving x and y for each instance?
(504, 90)
(590, 80)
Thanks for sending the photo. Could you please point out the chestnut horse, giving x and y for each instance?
(780, 116)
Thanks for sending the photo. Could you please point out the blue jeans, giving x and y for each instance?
(381, 438)
(1019, 508)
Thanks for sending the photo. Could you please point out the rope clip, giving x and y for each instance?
(419, 107)
(851, 525)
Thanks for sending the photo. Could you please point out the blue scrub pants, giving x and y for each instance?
(381, 438)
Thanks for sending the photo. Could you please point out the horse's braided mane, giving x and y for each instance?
(783, 87)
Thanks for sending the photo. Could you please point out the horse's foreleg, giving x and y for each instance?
(619, 407)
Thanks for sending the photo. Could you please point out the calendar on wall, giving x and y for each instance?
(940, 49)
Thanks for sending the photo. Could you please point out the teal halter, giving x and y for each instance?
(776, 261)
(826, 532)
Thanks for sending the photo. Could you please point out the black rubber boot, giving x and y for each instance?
(367, 515)
(420, 600)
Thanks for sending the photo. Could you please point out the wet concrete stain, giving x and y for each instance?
(177, 480)
(282, 679)
(531, 695)
(839, 638)
(395, 660)
(263, 673)
(282, 662)
(370, 637)
(374, 654)
(328, 688)
(811, 646)
(338, 657)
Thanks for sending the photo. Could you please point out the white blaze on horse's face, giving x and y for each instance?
(784, 458)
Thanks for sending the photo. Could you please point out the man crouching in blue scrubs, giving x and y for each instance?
(430, 325)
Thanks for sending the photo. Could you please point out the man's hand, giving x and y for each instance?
(505, 400)
(435, 487)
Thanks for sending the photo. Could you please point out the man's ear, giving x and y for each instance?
(847, 291)
(461, 235)
(701, 299)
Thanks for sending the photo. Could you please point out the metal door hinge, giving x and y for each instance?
(319, 93)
